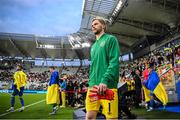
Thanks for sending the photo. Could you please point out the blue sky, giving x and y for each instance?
(49, 17)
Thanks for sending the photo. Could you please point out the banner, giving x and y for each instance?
(166, 74)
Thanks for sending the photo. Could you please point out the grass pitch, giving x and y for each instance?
(40, 110)
(156, 114)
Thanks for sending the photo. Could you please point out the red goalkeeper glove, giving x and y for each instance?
(109, 94)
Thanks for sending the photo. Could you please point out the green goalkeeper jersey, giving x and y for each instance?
(105, 62)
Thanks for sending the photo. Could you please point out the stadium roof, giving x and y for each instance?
(33, 46)
(132, 21)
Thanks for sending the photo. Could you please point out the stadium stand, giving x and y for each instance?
(147, 30)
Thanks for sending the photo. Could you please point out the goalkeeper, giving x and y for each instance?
(20, 80)
(104, 73)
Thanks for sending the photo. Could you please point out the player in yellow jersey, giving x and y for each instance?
(20, 80)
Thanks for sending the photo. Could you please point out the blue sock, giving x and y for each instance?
(22, 101)
(12, 101)
(151, 103)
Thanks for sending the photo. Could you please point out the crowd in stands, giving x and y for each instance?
(5, 79)
(133, 72)
(6, 75)
(37, 81)
(167, 63)
(9, 64)
(83, 73)
(161, 57)
(76, 92)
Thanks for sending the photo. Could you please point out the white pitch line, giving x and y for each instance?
(24, 107)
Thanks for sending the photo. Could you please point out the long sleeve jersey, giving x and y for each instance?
(105, 62)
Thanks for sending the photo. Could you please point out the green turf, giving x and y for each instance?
(156, 114)
(38, 111)
(41, 110)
